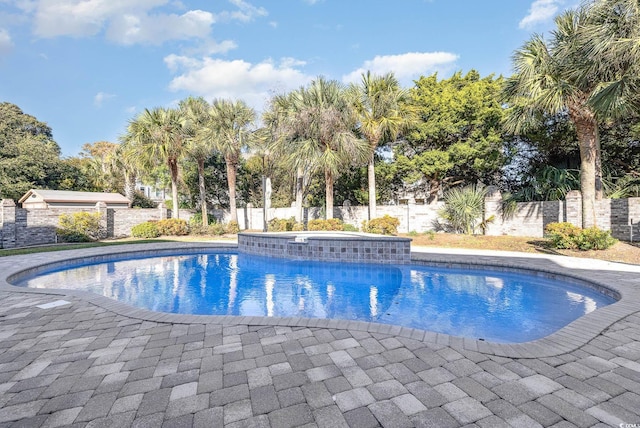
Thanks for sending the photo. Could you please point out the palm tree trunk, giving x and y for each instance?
(129, 184)
(173, 171)
(299, 194)
(371, 172)
(328, 177)
(231, 181)
(598, 184)
(586, 128)
(203, 192)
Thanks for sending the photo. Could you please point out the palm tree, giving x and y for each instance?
(376, 101)
(545, 80)
(160, 135)
(319, 124)
(199, 147)
(229, 132)
(591, 69)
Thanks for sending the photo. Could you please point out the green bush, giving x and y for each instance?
(328, 224)
(79, 227)
(232, 228)
(172, 227)
(350, 228)
(281, 224)
(141, 201)
(148, 229)
(463, 208)
(386, 225)
(568, 236)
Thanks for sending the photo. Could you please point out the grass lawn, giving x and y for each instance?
(620, 252)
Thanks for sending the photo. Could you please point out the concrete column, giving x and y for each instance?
(8, 220)
(101, 207)
(573, 208)
(493, 208)
(163, 211)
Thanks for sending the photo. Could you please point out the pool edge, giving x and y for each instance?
(571, 337)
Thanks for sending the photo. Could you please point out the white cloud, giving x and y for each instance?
(405, 66)
(101, 97)
(130, 21)
(540, 11)
(156, 29)
(237, 79)
(6, 44)
(246, 12)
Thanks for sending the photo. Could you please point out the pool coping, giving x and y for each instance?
(616, 278)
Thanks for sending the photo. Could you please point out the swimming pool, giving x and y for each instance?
(480, 304)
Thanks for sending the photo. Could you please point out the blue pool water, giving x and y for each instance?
(496, 306)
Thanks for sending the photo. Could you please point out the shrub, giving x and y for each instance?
(562, 235)
(463, 208)
(172, 227)
(141, 201)
(79, 227)
(386, 225)
(281, 224)
(568, 236)
(328, 224)
(297, 227)
(148, 229)
(350, 228)
(232, 228)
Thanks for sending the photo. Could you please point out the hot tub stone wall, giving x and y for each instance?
(354, 248)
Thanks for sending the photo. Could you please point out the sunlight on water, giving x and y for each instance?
(479, 304)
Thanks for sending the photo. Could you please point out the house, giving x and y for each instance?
(42, 199)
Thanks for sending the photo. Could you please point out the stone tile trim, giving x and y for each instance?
(617, 279)
(328, 246)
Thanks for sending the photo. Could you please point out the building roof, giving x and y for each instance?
(71, 196)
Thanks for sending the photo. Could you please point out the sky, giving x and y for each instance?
(88, 67)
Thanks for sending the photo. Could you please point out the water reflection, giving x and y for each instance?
(490, 305)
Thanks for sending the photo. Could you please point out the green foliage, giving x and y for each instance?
(79, 227)
(281, 224)
(172, 227)
(568, 236)
(457, 132)
(29, 157)
(148, 229)
(347, 227)
(141, 201)
(463, 208)
(232, 228)
(385, 225)
(329, 224)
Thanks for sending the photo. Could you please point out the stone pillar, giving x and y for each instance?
(163, 211)
(101, 207)
(573, 208)
(493, 208)
(8, 220)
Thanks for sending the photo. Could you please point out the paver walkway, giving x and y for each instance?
(80, 364)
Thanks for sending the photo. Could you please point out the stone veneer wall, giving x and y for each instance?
(21, 227)
(331, 247)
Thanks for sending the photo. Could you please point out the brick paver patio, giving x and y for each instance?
(91, 362)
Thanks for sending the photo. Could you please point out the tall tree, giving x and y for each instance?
(590, 69)
(199, 146)
(456, 133)
(159, 135)
(103, 166)
(377, 101)
(29, 157)
(229, 130)
(320, 125)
